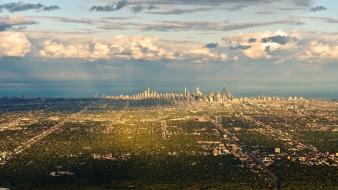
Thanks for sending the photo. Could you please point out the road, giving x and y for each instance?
(29, 143)
(249, 160)
(293, 146)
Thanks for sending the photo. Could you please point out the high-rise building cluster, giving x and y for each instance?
(197, 95)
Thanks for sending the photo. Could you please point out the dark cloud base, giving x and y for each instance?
(21, 6)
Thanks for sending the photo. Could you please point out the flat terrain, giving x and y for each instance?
(150, 144)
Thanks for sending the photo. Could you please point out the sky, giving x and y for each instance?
(82, 48)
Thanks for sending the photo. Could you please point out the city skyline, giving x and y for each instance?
(186, 95)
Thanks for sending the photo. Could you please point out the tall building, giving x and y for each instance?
(198, 92)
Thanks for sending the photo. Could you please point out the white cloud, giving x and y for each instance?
(14, 44)
(128, 48)
(140, 47)
(253, 45)
(202, 54)
(320, 51)
(280, 46)
(59, 50)
(277, 47)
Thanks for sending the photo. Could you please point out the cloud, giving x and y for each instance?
(240, 46)
(279, 46)
(318, 50)
(136, 8)
(324, 19)
(51, 8)
(261, 45)
(181, 11)
(278, 39)
(297, 3)
(21, 6)
(7, 22)
(264, 12)
(139, 8)
(69, 20)
(252, 40)
(85, 21)
(113, 7)
(120, 4)
(318, 8)
(211, 45)
(178, 6)
(212, 26)
(201, 55)
(128, 48)
(14, 44)
(114, 18)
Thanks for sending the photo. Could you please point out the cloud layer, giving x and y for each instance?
(296, 3)
(177, 7)
(203, 26)
(128, 48)
(277, 47)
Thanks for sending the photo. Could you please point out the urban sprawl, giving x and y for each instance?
(170, 140)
